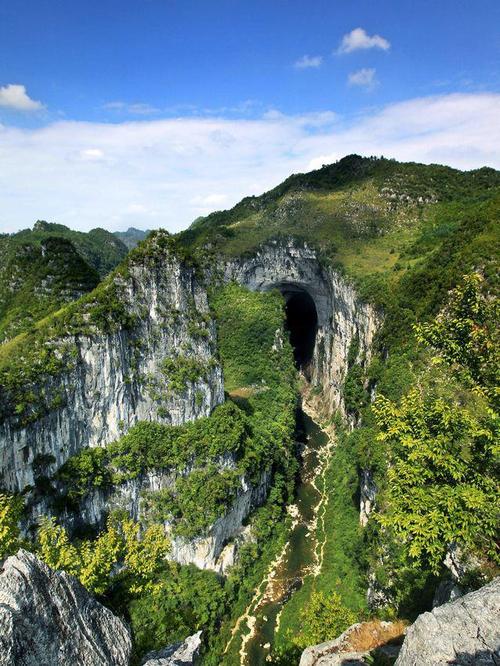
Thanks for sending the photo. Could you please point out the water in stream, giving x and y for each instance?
(301, 556)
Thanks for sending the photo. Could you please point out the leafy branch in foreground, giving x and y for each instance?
(443, 452)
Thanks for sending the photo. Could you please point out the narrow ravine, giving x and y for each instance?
(301, 556)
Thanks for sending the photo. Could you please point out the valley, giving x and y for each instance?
(270, 426)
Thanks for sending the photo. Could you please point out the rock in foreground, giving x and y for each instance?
(463, 632)
(179, 654)
(358, 645)
(48, 619)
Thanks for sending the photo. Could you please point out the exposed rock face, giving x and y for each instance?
(465, 631)
(368, 493)
(446, 591)
(342, 316)
(48, 619)
(116, 378)
(357, 646)
(217, 550)
(179, 654)
(214, 551)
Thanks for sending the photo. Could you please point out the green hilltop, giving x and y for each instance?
(44, 268)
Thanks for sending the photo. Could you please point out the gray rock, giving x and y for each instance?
(178, 654)
(463, 632)
(48, 619)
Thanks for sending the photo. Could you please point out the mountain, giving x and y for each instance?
(132, 236)
(48, 266)
(296, 399)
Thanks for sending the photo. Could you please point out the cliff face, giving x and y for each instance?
(343, 318)
(48, 619)
(118, 378)
(216, 550)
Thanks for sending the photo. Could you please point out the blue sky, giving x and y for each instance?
(152, 112)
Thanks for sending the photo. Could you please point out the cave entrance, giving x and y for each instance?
(302, 325)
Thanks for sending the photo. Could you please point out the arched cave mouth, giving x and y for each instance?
(302, 325)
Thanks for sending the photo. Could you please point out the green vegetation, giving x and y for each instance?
(443, 454)
(10, 513)
(342, 580)
(48, 348)
(255, 431)
(181, 370)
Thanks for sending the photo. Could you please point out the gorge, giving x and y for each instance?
(162, 411)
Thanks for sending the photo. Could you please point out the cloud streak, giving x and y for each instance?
(153, 173)
(308, 62)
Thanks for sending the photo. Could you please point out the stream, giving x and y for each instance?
(302, 554)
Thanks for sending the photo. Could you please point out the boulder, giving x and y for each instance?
(178, 654)
(47, 618)
(463, 632)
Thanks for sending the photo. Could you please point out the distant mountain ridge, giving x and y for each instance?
(44, 268)
(132, 236)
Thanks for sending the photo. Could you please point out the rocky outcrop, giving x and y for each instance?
(463, 632)
(342, 316)
(358, 646)
(48, 619)
(118, 378)
(179, 654)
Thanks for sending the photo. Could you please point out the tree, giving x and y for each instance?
(324, 618)
(93, 561)
(466, 335)
(441, 479)
(10, 514)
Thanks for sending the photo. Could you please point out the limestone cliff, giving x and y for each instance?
(116, 376)
(342, 316)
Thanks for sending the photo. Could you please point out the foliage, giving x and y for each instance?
(43, 269)
(92, 562)
(247, 324)
(344, 554)
(324, 618)
(196, 500)
(182, 601)
(182, 370)
(440, 484)
(466, 335)
(10, 514)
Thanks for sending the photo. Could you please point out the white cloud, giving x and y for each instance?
(359, 39)
(308, 62)
(364, 78)
(167, 172)
(14, 96)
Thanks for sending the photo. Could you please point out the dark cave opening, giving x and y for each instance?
(302, 324)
